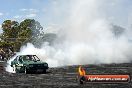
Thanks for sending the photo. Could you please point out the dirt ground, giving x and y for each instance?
(64, 77)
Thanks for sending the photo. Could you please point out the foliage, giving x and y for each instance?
(17, 34)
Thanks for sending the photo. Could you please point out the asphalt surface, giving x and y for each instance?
(64, 77)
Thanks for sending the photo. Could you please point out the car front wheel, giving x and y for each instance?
(15, 70)
(26, 71)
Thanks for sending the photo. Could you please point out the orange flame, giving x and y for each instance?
(81, 71)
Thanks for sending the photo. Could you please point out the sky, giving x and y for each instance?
(49, 12)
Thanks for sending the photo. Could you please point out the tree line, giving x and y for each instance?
(16, 34)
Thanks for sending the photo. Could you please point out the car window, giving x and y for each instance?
(35, 58)
(26, 58)
(16, 58)
(20, 60)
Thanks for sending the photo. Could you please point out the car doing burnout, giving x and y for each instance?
(28, 64)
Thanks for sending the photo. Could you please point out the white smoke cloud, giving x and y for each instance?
(85, 38)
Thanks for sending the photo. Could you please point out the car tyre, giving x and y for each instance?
(14, 69)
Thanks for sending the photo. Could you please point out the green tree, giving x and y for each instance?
(31, 30)
(17, 34)
(10, 30)
(31, 24)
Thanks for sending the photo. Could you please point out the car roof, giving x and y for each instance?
(26, 55)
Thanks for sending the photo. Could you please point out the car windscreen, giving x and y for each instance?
(30, 58)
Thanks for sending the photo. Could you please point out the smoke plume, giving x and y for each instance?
(85, 38)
